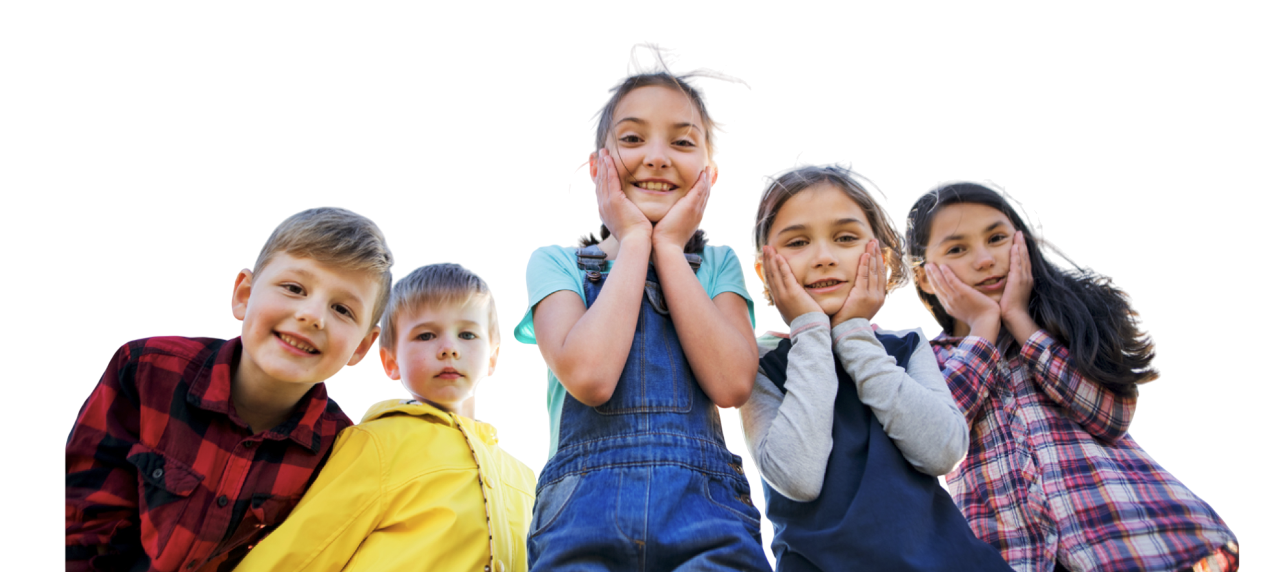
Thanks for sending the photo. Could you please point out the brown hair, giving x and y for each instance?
(795, 181)
(335, 237)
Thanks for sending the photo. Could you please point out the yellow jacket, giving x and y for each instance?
(401, 491)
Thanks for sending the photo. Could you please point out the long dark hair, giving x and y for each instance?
(1077, 306)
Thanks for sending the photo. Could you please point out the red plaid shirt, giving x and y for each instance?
(163, 475)
(1052, 474)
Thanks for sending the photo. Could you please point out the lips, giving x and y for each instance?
(658, 186)
(824, 285)
(993, 283)
(449, 373)
(297, 342)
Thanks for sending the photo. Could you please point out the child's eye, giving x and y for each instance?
(425, 337)
(292, 288)
(846, 238)
(684, 143)
(997, 237)
(630, 139)
(345, 311)
(955, 250)
(467, 336)
(796, 243)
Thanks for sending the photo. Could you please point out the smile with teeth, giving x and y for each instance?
(655, 185)
(297, 343)
(824, 284)
(991, 281)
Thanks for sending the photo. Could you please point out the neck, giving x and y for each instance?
(264, 404)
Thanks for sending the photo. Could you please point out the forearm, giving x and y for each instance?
(588, 358)
(969, 370)
(913, 405)
(789, 435)
(719, 347)
(1098, 409)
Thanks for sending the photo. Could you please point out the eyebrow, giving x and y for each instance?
(684, 125)
(990, 228)
(840, 222)
(434, 324)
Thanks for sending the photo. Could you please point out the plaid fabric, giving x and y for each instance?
(163, 475)
(1052, 474)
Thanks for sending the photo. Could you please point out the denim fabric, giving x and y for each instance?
(644, 481)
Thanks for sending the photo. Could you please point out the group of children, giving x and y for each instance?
(205, 454)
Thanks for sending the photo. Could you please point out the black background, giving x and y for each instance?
(192, 151)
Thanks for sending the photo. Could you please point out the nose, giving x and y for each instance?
(823, 255)
(311, 312)
(983, 259)
(448, 350)
(655, 156)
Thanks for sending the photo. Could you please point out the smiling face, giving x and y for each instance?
(659, 146)
(972, 240)
(303, 321)
(822, 233)
(442, 351)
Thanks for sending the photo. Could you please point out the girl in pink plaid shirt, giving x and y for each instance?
(1045, 364)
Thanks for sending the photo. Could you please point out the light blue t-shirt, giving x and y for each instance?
(555, 268)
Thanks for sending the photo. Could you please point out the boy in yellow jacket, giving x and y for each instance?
(418, 484)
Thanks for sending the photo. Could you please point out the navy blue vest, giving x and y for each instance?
(875, 511)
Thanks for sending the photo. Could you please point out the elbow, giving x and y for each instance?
(735, 392)
(585, 387)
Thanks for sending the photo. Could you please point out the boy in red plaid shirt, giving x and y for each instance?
(190, 450)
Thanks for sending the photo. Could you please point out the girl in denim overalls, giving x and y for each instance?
(645, 333)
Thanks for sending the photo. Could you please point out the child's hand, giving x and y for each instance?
(867, 295)
(621, 216)
(1017, 290)
(964, 303)
(788, 295)
(682, 220)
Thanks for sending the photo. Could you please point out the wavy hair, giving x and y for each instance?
(795, 181)
(1076, 306)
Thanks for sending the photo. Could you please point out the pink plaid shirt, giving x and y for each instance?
(1052, 474)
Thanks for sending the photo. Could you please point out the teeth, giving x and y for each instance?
(298, 344)
(654, 186)
(823, 284)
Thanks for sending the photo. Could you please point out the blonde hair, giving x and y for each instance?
(794, 179)
(339, 238)
(432, 285)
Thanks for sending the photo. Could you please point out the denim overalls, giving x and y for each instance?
(644, 481)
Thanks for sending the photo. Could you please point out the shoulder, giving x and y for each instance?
(554, 255)
(165, 361)
(770, 341)
(175, 347)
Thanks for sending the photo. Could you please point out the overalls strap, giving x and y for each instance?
(592, 260)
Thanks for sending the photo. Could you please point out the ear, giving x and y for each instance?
(760, 269)
(923, 279)
(364, 346)
(593, 160)
(714, 171)
(389, 364)
(493, 360)
(240, 294)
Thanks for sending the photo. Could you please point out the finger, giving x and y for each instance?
(863, 280)
(769, 270)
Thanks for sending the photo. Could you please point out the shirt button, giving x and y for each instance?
(191, 564)
(157, 473)
(489, 482)
(222, 500)
(501, 567)
(250, 444)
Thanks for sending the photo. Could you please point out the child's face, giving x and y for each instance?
(972, 240)
(822, 234)
(303, 321)
(659, 147)
(442, 351)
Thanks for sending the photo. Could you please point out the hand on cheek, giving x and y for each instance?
(788, 295)
(1016, 300)
(980, 314)
(867, 295)
(621, 216)
(683, 219)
